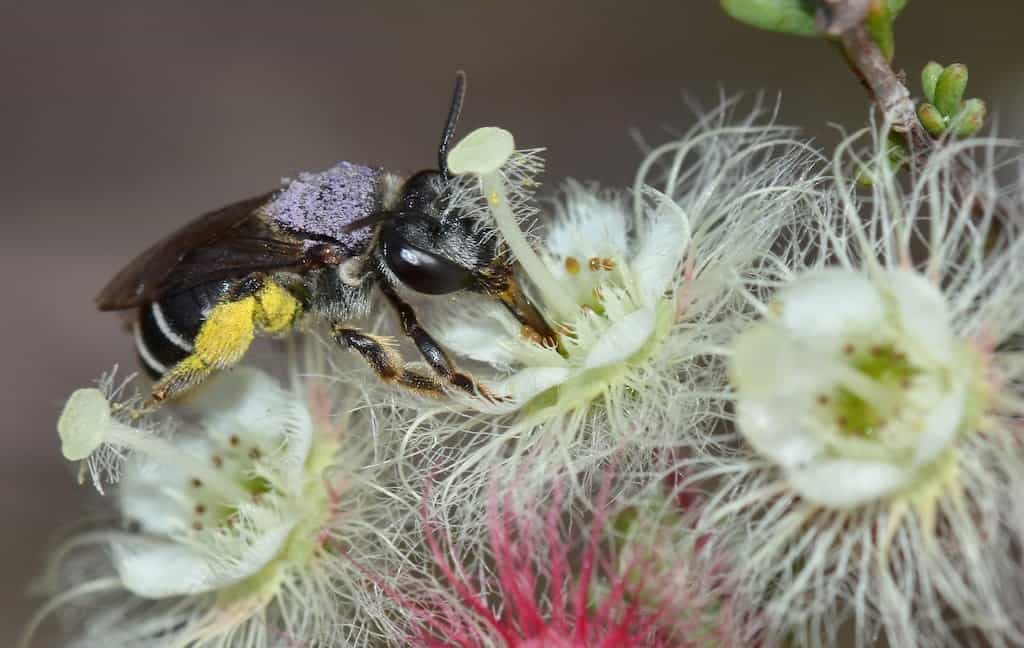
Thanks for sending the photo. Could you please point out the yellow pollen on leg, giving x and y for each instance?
(227, 333)
(223, 339)
(276, 308)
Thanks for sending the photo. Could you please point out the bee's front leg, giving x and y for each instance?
(431, 351)
(379, 353)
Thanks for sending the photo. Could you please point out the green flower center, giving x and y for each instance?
(886, 367)
(582, 388)
(314, 507)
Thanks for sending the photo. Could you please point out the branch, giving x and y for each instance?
(845, 20)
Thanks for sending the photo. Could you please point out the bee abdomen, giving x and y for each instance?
(165, 330)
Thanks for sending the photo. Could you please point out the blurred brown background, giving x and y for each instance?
(119, 121)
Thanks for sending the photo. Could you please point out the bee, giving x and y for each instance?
(317, 249)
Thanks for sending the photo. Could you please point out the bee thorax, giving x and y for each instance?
(352, 272)
(325, 203)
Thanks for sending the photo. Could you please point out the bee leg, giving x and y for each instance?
(223, 339)
(225, 336)
(380, 355)
(431, 351)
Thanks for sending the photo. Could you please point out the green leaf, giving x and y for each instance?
(949, 89)
(879, 24)
(971, 118)
(787, 16)
(895, 6)
(931, 119)
(929, 77)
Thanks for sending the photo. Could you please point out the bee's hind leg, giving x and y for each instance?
(229, 329)
(222, 340)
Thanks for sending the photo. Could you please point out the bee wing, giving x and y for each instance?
(229, 242)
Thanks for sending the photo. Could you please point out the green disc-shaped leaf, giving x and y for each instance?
(787, 16)
(895, 6)
(931, 119)
(930, 77)
(949, 89)
(971, 118)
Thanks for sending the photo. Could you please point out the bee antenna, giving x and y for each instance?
(453, 118)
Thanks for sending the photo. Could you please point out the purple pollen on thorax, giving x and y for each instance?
(324, 203)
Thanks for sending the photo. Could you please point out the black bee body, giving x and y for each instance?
(315, 250)
(166, 329)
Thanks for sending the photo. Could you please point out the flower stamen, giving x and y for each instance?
(481, 153)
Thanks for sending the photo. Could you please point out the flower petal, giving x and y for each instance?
(923, 314)
(242, 397)
(769, 427)
(150, 492)
(941, 424)
(524, 385)
(842, 483)
(589, 227)
(826, 307)
(767, 361)
(155, 569)
(663, 247)
(480, 330)
(622, 339)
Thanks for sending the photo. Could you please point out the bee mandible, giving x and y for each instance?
(314, 250)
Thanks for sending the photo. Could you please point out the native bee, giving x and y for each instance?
(316, 249)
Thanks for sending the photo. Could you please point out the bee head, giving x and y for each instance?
(435, 250)
(437, 257)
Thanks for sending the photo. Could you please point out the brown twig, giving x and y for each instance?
(845, 20)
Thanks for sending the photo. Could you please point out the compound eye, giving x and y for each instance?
(421, 270)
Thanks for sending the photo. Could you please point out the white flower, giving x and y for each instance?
(213, 509)
(877, 408)
(244, 532)
(856, 386)
(618, 276)
(638, 291)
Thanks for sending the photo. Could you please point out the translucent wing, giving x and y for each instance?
(230, 242)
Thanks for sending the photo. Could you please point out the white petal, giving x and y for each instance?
(842, 483)
(525, 384)
(156, 569)
(478, 330)
(153, 493)
(772, 428)
(656, 263)
(824, 308)
(923, 313)
(291, 462)
(246, 402)
(588, 227)
(622, 339)
(768, 362)
(941, 425)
